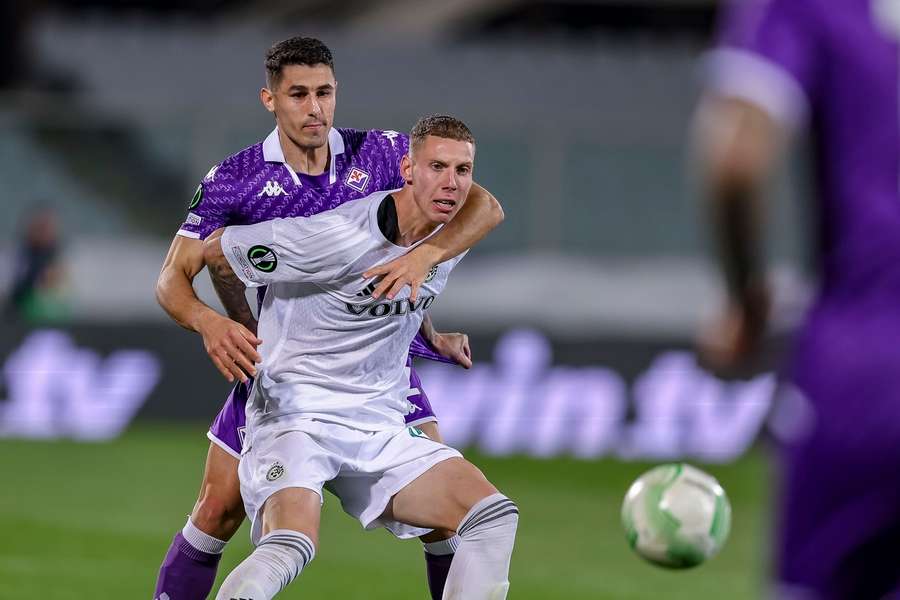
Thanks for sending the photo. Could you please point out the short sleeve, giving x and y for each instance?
(769, 54)
(299, 249)
(210, 206)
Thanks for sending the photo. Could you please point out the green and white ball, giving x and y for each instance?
(676, 516)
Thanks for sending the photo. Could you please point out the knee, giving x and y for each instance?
(217, 514)
(494, 513)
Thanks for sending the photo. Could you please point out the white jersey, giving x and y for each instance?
(329, 351)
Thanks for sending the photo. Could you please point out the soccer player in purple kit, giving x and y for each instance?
(831, 65)
(302, 168)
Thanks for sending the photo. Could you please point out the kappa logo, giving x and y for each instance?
(262, 258)
(391, 135)
(275, 471)
(358, 179)
(272, 188)
(212, 173)
(431, 274)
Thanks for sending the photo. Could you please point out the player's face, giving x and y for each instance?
(303, 102)
(441, 174)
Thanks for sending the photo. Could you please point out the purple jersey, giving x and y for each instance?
(833, 65)
(257, 185)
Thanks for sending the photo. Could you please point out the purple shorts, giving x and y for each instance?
(839, 518)
(227, 430)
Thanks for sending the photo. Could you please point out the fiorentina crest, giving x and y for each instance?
(358, 179)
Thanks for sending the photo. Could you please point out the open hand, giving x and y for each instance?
(231, 346)
(411, 269)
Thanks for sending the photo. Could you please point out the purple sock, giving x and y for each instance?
(437, 567)
(186, 573)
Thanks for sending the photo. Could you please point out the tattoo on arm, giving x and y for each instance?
(231, 292)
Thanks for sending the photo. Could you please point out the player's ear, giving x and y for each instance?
(267, 99)
(406, 169)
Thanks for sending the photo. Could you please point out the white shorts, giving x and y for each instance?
(365, 469)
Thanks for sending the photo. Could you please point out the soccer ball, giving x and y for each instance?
(676, 516)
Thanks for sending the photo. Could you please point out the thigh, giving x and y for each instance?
(284, 460)
(440, 497)
(431, 430)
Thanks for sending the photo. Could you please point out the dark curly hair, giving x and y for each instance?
(296, 51)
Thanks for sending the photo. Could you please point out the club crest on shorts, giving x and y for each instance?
(357, 179)
(431, 274)
(275, 471)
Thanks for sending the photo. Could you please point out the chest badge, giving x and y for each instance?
(431, 274)
(357, 179)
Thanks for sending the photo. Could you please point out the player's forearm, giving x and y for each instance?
(175, 294)
(479, 215)
(229, 288)
(427, 328)
(735, 218)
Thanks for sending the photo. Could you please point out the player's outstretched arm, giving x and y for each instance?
(229, 344)
(738, 143)
(479, 215)
(454, 346)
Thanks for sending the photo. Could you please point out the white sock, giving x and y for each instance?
(480, 568)
(442, 547)
(201, 540)
(278, 559)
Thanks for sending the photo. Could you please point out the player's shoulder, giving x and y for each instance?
(380, 141)
(237, 167)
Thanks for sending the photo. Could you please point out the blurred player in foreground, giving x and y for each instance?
(327, 407)
(304, 167)
(831, 65)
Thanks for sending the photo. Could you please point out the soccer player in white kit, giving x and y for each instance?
(327, 407)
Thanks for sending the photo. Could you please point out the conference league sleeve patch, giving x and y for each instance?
(252, 253)
(209, 206)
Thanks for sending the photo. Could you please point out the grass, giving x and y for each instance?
(94, 521)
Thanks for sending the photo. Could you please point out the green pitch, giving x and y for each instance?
(93, 521)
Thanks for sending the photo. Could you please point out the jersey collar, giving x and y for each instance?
(272, 152)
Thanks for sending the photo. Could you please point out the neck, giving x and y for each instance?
(411, 221)
(309, 161)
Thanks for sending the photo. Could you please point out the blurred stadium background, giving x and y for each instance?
(593, 289)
